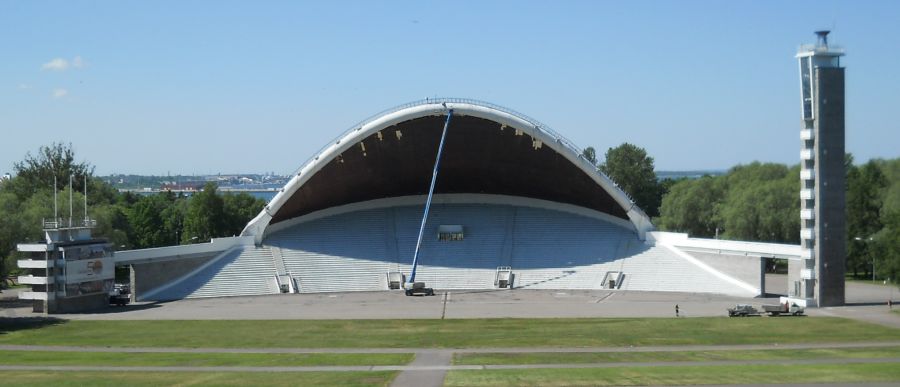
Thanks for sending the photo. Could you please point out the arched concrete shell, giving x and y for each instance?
(540, 134)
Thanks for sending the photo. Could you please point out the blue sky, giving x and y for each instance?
(242, 87)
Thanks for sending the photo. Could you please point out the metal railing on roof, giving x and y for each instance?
(58, 223)
(830, 49)
(562, 140)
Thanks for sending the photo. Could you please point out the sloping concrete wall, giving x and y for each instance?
(745, 268)
(148, 276)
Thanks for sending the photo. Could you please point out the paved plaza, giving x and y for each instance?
(866, 302)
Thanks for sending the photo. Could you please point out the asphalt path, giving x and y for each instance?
(666, 348)
(443, 367)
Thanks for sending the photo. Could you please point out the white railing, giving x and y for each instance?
(807, 233)
(806, 254)
(807, 194)
(807, 154)
(807, 174)
(807, 134)
(57, 223)
(820, 48)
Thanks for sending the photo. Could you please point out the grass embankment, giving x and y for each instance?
(627, 357)
(642, 376)
(467, 333)
(144, 359)
(48, 378)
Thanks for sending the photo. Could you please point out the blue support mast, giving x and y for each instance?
(437, 163)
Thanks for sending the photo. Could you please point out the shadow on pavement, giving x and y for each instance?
(125, 309)
(884, 303)
(13, 324)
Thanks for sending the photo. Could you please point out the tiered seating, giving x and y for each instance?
(546, 249)
(553, 250)
(346, 252)
(353, 251)
(467, 264)
(242, 271)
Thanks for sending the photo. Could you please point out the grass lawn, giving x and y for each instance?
(635, 376)
(619, 357)
(199, 359)
(45, 378)
(463, 333)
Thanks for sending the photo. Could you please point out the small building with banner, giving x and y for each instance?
(70, 270)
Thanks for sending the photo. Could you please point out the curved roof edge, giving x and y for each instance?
(466, 107)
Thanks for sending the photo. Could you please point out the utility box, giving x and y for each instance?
(395, 280)
(503, 279)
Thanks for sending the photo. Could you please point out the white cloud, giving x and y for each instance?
(24, 86)
(59, 93)
(57, 64)
(61, 64)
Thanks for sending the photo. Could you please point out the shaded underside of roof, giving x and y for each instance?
(480, 156)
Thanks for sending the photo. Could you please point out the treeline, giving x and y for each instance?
(754, 202)
(129, 221)
(761, 202)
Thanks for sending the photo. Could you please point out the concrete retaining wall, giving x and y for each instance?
(748, 269)
(149, 276)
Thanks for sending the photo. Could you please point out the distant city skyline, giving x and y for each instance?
(201, 88)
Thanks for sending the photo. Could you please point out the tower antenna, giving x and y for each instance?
(85, 199)
(70, 201)
(55, 201)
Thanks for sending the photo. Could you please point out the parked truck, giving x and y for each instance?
(120, 295)
(742, 310)
(783, 309)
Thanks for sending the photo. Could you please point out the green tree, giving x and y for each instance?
(886, 247)
(146, 222)
(865, 186)
(11, 230)
(690, 206)
(112, 223)
(754, 202)
(763, 207)
(240, 209)
(173, 218)
(205, 216)
(590, 154)
(36, 172)
(630, 167)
